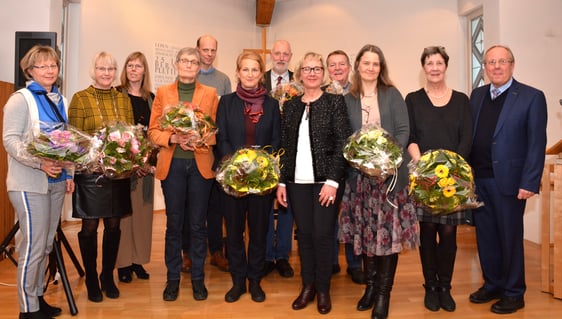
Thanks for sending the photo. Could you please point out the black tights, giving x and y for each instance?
(447, 237)
(90, 226)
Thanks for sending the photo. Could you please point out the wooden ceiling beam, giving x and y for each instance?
(264, 11)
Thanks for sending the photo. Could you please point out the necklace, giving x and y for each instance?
(96, 95)
(437, 97)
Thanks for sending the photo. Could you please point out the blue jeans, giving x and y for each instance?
(186, 195)
(279, 241)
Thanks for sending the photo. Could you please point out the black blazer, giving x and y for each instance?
(231, 124)
(267, 79)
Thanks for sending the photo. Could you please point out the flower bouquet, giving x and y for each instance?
(60, 142)
(374, 152)
(186, 118)
(335, 88)
(286, 92)
(249, 171)
(443, 182)
(124, 149)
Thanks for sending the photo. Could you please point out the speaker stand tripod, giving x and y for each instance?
(56, 262)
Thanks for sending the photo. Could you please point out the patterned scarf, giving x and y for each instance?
(253, 101)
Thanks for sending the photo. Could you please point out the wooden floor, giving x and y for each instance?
(143, 298)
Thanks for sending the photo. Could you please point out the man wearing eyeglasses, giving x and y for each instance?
(279, 236)
(279, 73)
(507, 157)
(208, 75)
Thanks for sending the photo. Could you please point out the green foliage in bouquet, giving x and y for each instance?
(286, 92)
(374, 152)
(186, 117)
(442, 181)
(249, 171)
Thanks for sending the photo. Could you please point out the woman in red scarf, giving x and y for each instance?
(247, 117)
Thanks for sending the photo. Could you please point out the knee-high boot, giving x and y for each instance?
(366, 302)
(445, 274)
(89, 252)
(110, 248)
(384, 279)
(428, 258)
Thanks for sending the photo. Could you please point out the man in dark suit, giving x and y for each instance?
(279, 239)
(279, 73)
(507, 156)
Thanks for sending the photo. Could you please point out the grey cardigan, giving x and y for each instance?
(20, 118)
(394, 119)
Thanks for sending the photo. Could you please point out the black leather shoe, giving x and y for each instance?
(258, 295)
(323, 302)
(34, 315)
(307, 295)
(284, 268)
(446, 301)
(336, 269)
(47, 309)
(508, 305)
(171, 291)
(199, 290)
(483, 296)
(431, 299)
(124, 274)
(234, 293)
(357, 275)
(140, 271)
(268, 267)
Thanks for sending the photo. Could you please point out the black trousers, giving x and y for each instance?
(315, 224)
(254, 210)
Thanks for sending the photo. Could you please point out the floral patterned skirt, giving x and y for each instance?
(372, 224)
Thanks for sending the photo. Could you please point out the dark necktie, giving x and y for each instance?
(279, 79)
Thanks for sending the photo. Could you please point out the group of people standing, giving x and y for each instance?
(501, 130)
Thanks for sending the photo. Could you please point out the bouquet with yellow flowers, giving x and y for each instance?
(249, 171)
(286, 92)
(186, 117)
(443, 182)
(374, 152)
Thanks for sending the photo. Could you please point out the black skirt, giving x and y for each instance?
(98, 197)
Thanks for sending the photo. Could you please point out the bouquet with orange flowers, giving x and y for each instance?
(185, 118)
(286, 92)
(443, 182)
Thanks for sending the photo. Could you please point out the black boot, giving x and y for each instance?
(110, 247)
(428, 258)
(89, 252)
(445, 274)
(366, 302)
(384, 279)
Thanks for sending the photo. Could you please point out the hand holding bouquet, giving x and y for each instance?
(443, 182)
(286, 92)
(374, 152)
(124, 150)
(60, 142)
(185, 118)
(249, 171)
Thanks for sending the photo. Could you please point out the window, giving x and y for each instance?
(476, 49)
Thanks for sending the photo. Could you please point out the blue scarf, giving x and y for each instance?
(46, 112)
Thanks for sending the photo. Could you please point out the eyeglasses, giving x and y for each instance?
(316, 69)
(188, 62)
(104, 69)
(502, 62)
(135, 66)
(52, 67)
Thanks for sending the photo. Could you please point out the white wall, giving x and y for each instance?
(530, 28)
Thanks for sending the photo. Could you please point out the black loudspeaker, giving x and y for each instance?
(25, 40)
